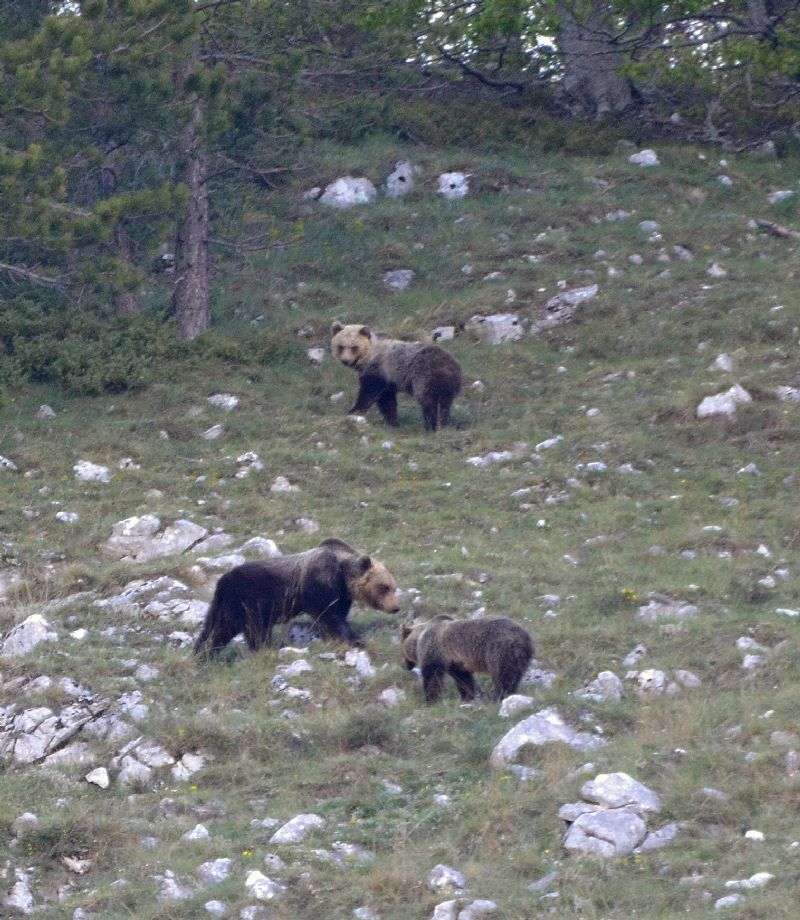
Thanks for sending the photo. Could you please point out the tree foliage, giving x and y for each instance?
(125, 124)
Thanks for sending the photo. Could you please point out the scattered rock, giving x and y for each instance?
(730, 900)
(515, 704)
(723, 403)
(296, 830)
(226, 401)
(497, 328)
(454, 185)
(25, 636)
(263, 888)
(91, 472)
(606, 686)
(98, 777)
(357, 658)
(401, 180)
(545, 727)
(659, 838)
(213, 433)
(400, 279)
(442, 878)
(662, 607)
(615, 790)
(282, 484)
(606, 833)
(644, 158)
(20, 897)
(171, 889)
(347, 192)
(214, 871)
(131, 535)
(561, 308)
(759, 880)
(134, 773)
(187, 766)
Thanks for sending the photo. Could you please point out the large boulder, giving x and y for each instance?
(347, 192)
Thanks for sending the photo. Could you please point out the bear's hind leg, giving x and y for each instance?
(506, 681)
(258, 627)
(213, 639)
(464, 682)
(436, 410)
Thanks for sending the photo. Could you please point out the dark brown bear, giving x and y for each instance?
(428, 373)
(488, 645)
(322, 582)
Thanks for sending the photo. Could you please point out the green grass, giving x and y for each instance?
(640, 354)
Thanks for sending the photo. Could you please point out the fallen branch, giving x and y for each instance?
(778, 229)
(33, 277)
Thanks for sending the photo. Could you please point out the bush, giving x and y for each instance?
(86, 353)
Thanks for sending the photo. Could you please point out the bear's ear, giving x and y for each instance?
(364, 564)
(336, 327)
(365, 331)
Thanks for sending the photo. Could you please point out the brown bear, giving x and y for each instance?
(385, 365)
(323, 582)
(488, 645)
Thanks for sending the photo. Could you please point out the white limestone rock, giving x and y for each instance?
(214, 871)
(497, 328)
(444, 878)
(98, 777)
(187, 766)
(296, 830)
(25, 636)
(514, 704)
(545, 727)
(347, 191)
(606, 833)
(606, 686)
(400, 279)
(87, 471)
(616, 790)
(226, 401)
(401, 180)
(724, 403)
(646, 157)
(130, 535)
(263, 888)
(454, 185)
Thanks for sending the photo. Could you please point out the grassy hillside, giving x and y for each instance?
(638, 496)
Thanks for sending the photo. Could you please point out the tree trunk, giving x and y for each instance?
(190, 297)
(592, 62)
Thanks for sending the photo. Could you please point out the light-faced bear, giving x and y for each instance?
(487, 645)
(322, 582)
(385, 365)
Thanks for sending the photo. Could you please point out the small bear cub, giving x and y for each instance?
(487, 645)
(385, 365)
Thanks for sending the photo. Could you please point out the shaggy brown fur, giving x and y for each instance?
(322, 582)
(428, 373)
(488, 645)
